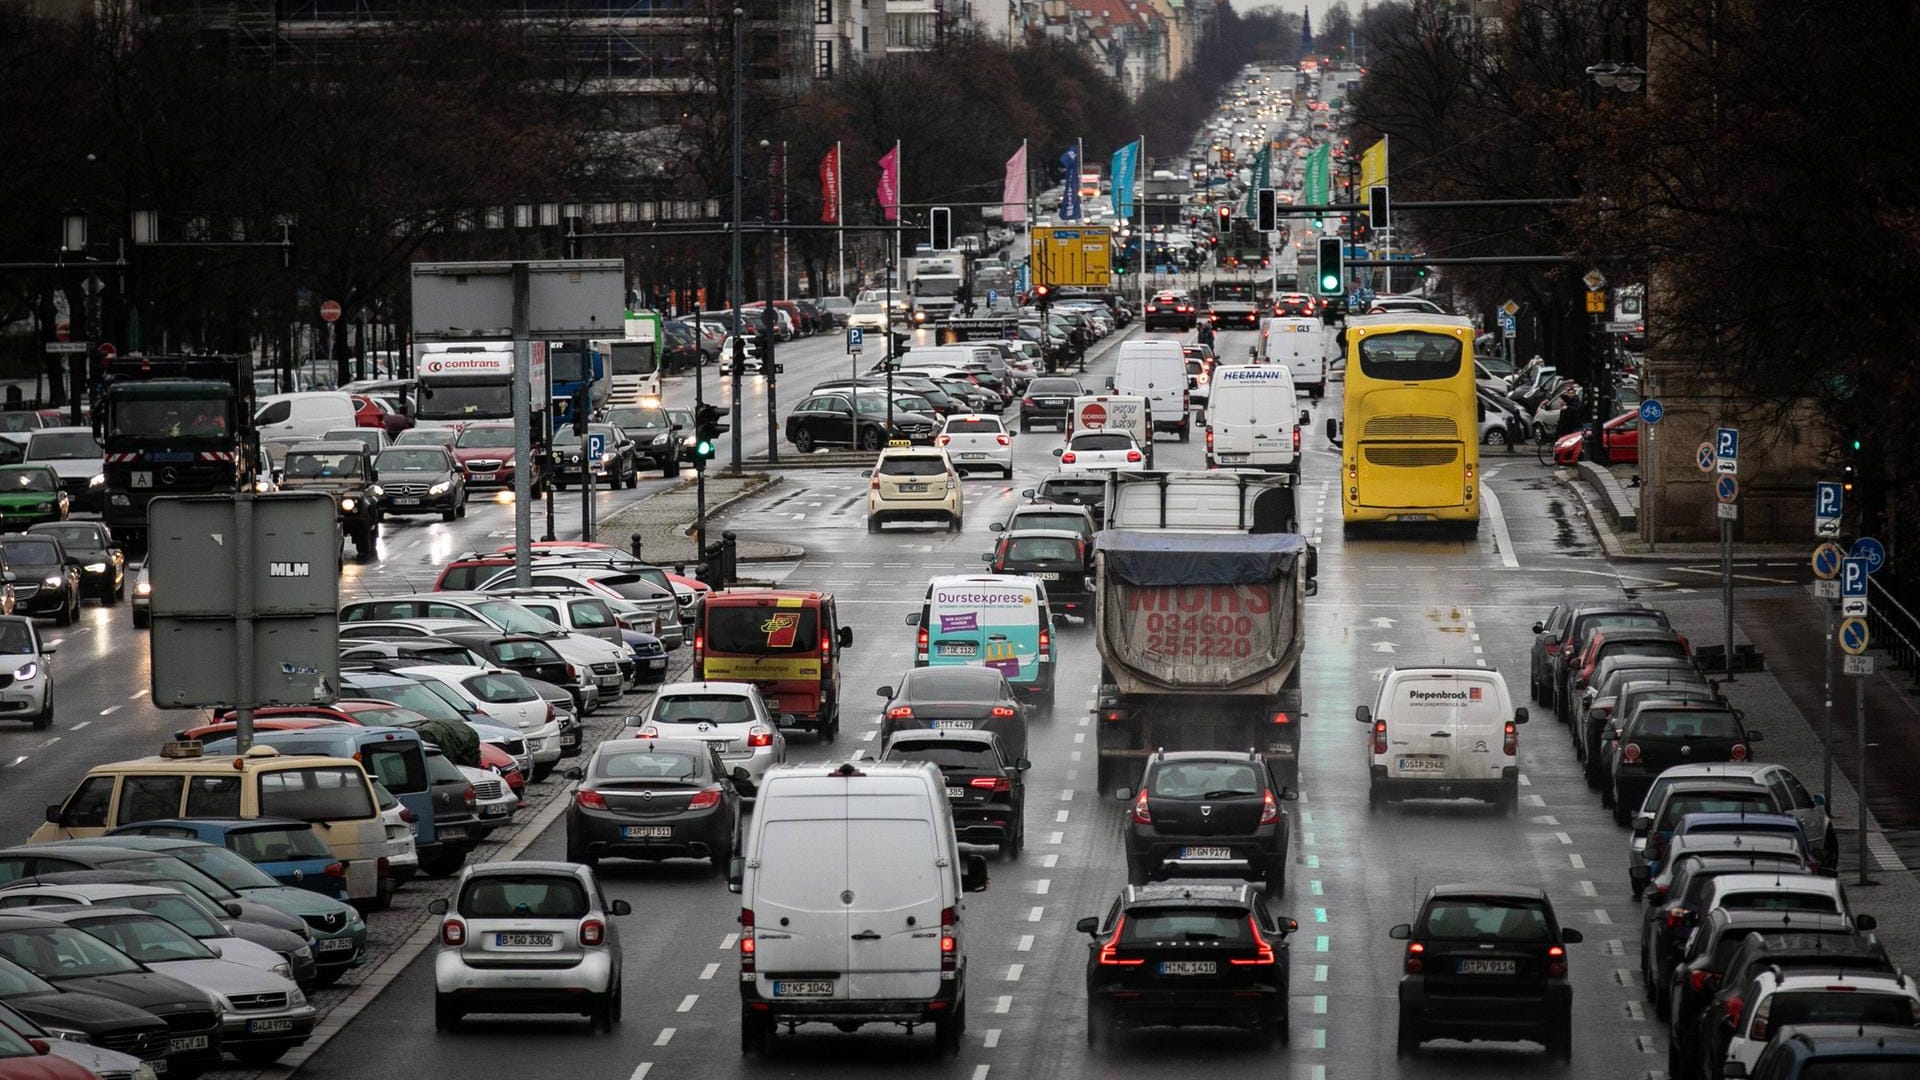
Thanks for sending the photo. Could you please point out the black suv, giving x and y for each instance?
(1207, 812)
(1049, 400)
(1074, 489)
(654, 435)
(1486, 962)
(345, 471)
(986, 788)
(1187, 952)
(1060, 559)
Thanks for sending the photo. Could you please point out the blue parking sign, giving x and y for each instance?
(596, 446)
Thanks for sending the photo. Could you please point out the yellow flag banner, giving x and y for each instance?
(1373, 168)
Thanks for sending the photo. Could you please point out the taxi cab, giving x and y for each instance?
(912, 483)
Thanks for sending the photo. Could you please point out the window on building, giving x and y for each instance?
(822, 11)
(823, 59)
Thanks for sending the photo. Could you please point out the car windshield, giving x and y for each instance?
(488, 399)
(1063, 487)
(1161, 924)
(318, 465)
(63, 446)
(515, 619)
(27, 480)
(73, 536)
(147, 938)
(954, 684)
(278, 844)
(1065, 387)
(31, 552)
(492, 437)
(413, 696)
(1685, 724)
(1098, 441)
(1205, 780)
(413, 461)
(1473, 918)
(703, 708)
(174, 908)
(16, 639)
(61, 952)
(946, 754)
(16, 980)
(868, 309)
(1042, 549)
(568, 438)
(648, 764)
(638, 419)
(912, 465)
(527, 896)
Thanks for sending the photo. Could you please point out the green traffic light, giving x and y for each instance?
(1318, 224)
(703, 448)
(1329, 283)
(1856, 445)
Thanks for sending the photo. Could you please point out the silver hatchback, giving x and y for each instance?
(523, 937)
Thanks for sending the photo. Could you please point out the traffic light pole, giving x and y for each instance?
(699, 460)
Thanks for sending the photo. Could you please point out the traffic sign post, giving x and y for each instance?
(1826, 568)
(1853, 588)
(1854, 638)
(856, 340)
(330, 311)
(1722, 455)
(1829, 498)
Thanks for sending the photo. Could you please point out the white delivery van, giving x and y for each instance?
(1300, 345)
(1112, 412)
(1443, 733)
(1156, 370)
(850, 888)
(308, 415)
(1253, 419)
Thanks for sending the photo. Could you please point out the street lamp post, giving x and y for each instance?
(1625, 78)
(739, 347)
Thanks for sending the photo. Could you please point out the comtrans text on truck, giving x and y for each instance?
(173, 425)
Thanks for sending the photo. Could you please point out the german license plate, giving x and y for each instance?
(332, 945)
(482, 476)
(1483, 967)
(451, 832)
(523, 941)
(1423, 764)
(803, 988)
(956, 793)
(913, 487)
(189, 1042)
(268, 1027)
(647, 832)
(1206, 853)
(972, 457)
(1051, 403)
(657, 663)
(406, 502)
(958, 648)
(496, 810)
(1046, 575)
(954, 725)
(159, 1066)
(1189, 967)
(1231, 457)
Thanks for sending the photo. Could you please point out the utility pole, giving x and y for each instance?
(739, 347)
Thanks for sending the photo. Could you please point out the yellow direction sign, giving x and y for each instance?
(1597, 302)
(1072, 255)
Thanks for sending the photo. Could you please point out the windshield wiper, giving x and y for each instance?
(1224, 794)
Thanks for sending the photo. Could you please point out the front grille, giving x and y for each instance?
(1411, 457)
(151, 1044)
(406, 491)
(488, 790)
(6, 681)
(514, 747)
(258, 1002)
(1411, 427)
(649, 649)
(190, 1022)
(25, 590)
(485, 464)
(329, 924)
(606, 669)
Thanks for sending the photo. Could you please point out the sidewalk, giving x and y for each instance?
(1633, 549)
(663, 521)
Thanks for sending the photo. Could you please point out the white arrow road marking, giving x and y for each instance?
(1381, 622)
(1383, 646)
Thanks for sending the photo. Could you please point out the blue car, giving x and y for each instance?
(287, 849)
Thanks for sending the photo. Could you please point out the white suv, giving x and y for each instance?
(974, 441)
(731, 715)
(1774, 999)
(915, 483)
(1103, 450)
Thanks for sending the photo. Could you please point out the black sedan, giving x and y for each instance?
(1486, 962)
(1187, 953)
(654, 799)
(618, 465)
(44, 582)
(1060, 559)
(73, 959)
(955, 699)
(89, 545)
(421, 480)
(1208, 812)
(1172, 310)
(1049, 400)
(986, 788)
(655, 436)
(101, 1020)
(1073, 489)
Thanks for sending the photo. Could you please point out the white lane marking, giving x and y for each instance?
(1035, 914)
(80, 725)
(1563, 838)
(49, 742)
(1579, 862)
(1075, 755)
(1013, 972)
(980, 1072)
(137, 695)
(1066, 795)
(1545, 819)
(665, 1037)
(109, 710)
(1041, 886)
(709, 971)
(641, 1070)
(868, 736)
(687, 1003)
(1025, 944)
(1501, 538)
(1600, 916)
(992, 1038)
(1003, 1003)
(1079, 737)
(1525, 781)
(1534, 800)
(1587, 888)
(729, 942)
(1319, 973)
(1051, 861)
(16, 761)
(1054, 838)
(1060, 817)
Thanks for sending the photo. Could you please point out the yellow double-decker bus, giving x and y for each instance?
(1410, 448)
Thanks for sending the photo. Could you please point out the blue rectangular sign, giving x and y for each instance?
(596, 446)
(1828, 499)
(1853, 577)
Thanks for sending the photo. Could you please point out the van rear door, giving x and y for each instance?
(800, 915)
(894, 921)
(1445, 726)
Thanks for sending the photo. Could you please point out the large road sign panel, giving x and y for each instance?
(1079, 255)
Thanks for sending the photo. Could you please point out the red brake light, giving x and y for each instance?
(700, 644)
(1296, 438)
(1510, 744)
(1046, 640)
(949, 939)
(572, 673)
(1630, 753)
(1281, 716)
(453, 932)
(922, 645)
(704, 799)
(1003, 440)
(1556, 962)
(1699, 979)
(1141, 815)
(1737, 1005)
(407, 815)
(1027, 402)
(900, 712)
(1676, 917)
(335, 870)
(590, 799)
(1068, 458)
(1134, 455)
(759, 737)
(592, 931)
(1111, 947)
(991, 783)
(1005, 712)
(1269, 810)
(943, 440)
(1263, 952)
(746, 941)
(1739, 752)
(1209, 438)
(1379, 736)
(1553, 648)
(1415, 962)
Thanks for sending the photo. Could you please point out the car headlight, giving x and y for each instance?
(120, 500)
(144, 1071)
(99, 480)
(609, 458)
(348, 504)
(44, 506)
(660, 440)
(441, 488)
(262, 485)
(143, 589)
(95, 568)
(285, 971)
(54, 581)
(68, 1035)
(296, 998)
(304, 952)
(27, 671)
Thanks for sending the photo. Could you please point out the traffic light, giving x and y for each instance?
(1361, 230)
(1269, 210)
(1120, 269)
(579, 408)
(1332, 266)
(940, 228)
(1319, 222)
(1226, 216)
(1378, 210)
(1042, 293)
(706, 432)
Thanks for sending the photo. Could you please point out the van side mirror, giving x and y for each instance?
(846, 637)
(1089, 925)
(740, 776)
(973, 876)
(1520, 715)
(1057, 451)
(438, 907)
(1363, 714)
(1022, 764)
(736, 873)
(1027, 494)
(913, 619)
(997, 526)
(1401, 932)
(233, 908)
(621, 907)
(1109, 382)
(1642, 824)
(53, 813)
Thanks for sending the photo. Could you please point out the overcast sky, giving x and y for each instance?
(1318, 7)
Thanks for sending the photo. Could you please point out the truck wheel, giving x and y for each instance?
(1102, 775)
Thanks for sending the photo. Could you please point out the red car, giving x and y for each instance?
(373, 412)
(1622, 434)
(484, 451)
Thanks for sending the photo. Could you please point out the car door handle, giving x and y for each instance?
(1440, 735)
(866, 935)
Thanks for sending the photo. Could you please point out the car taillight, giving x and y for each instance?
(1676, 917)
(991, 783)
(1263, 952)
(1110, 948)
(1026, 402)
(1068, 458)
(1379, 736)
(759, 737)
(1656, 893)
(949, 942)
(407, 815)
(1282, 717)
(1296, 438)
(592, 931)
(1553, 648)
(704, 799)
(1005, 712)
(1739, 752)
(1134, 455)
(335, 870)
(573, 674)
(746, 941)
(1630, 753)
(922, 646)
(1416, 958)
(549, 718)
(589, 799)
(1152, 308)
(1699, 979)
(1046, 640)
(1510, 741)
(1209, 437)
(943, 440)
(826, 653)
(1269, 810)
(470, 796)
(1113, 716)
(1141, 815)
(453, 932)
(1761, 1015)
(1556, 962)
(1003, 440)
(900, 712)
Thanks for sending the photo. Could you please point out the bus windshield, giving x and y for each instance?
(1410, 356)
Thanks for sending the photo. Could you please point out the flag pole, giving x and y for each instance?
(1139, 169)
(840, 218)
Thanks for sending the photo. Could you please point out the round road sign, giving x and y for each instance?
(1853, 636)
(1871, 550)
(1651, 411)
(1703, 457)
(330, 311)
(107, 351)
(1826, 561)
(1094, 416)
(1727, 488)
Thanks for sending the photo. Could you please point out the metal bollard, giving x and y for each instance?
(633, 544)
(729, 556)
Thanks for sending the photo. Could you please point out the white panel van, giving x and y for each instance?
(1254, 420)
(1156, 370)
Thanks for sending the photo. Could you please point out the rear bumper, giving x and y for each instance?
(856, 1011)
(987, 824)
(1254, 1005)
(603, 836)
(1444, 788)
(1484, 1016)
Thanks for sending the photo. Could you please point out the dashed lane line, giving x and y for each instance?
(727, 943)
(687, 1003)
(641, 1070)
(665, 1037)
(708, 972)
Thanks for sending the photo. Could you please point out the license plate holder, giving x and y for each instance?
(971, 456)
(1046, 575)
(958, 648)
(481, 476)
(496, 810)
(1424, 764)
(1206, 853)
(807, 988)
(523, 941)
(913, 488)
(269, 1026)
(1189, 967)
(450, 832)
(953, 725)
(398, 501)
(333, 945)
(647, 832)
